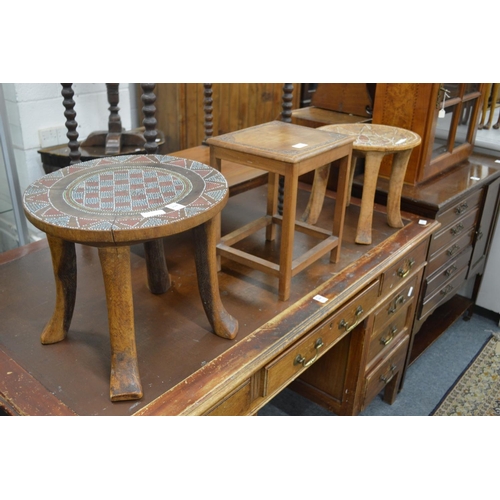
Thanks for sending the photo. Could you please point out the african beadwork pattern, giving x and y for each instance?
(125, 192)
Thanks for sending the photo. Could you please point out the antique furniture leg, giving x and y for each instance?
(64, 264)
(399, 164)
(343, 192)
(206, 237)
(272, 203)
(287, 236)
(318, 191)
(372, 167)
(125, 383)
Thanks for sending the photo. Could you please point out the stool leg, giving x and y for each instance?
(287, 236)
(272, 203)
(64, 264)
(125, 382)
(206, 237)
(372, 167)
(354, 162)
(158, 278)
(343, 194)
(317, 197)
(399, 164)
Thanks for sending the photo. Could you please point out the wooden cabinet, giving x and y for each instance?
(445, 115)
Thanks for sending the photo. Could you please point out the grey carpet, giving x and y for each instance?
(427, 381)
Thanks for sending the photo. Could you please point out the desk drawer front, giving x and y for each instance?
(236, 404)
(452, 233)
(451, 269)
(303, 354)
(460, 209)
(442, 294)
(384, 339)
(449, 253)
(383, 373)
(405, 267)
(395, 303)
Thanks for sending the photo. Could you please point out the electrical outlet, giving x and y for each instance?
(52, 136)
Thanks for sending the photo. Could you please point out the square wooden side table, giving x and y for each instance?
(289, 150)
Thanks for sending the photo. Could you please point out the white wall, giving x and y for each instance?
(35, 106)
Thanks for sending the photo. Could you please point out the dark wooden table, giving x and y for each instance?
(116, 202)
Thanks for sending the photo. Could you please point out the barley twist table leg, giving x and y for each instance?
(125, 382)
(64, 264)
(206, 237)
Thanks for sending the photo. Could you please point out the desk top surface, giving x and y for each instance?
(125, 198)
(281, 141)
(182, 364)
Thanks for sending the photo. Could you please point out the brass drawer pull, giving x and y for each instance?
(387, 340)
(400, 299)
(344, 324)
(453, 250)
(402, 273)
(447, 290)
(450, 270)
(300, 360)
(457, 229)
(461, 208)
(386, 378)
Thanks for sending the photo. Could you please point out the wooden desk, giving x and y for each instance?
(185, 369)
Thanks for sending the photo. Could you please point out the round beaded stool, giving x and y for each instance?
(112, 203)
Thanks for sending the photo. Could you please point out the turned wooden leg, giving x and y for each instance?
(64, 264)
(372, 167)
(206, 237)
(125, 383)
(317, 197)
(158, 277)
(399, 164)
(287, 236)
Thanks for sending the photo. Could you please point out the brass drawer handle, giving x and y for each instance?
(447, 290)
(450, 270)
(457, 229)
(386, 378)
(461, 208)
(402, 273)
(400, 299)
(387, 340)
(344, 324)
(452, 250)
(300, 360)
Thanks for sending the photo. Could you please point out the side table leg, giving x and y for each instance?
(372, 167)
(272, 204)
(125, 382)
(206, 236)
(399, 164)
(158, 277)
(64, 264)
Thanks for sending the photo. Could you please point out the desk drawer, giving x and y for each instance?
(405, 267)
(235, 404)
(385, 338)
(395, 303)
(460, 209)
(442, 294)
(448, 254)
(452, 233)
(304, 353)
(383, 373)
(452, 268)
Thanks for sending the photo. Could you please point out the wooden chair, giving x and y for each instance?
(490, 102)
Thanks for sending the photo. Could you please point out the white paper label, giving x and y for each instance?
(422, 222)
(175, 206)
(320, 298)
(410, 291)
(153, 213)
(497, 161)
(299, 145)
(476, 178)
